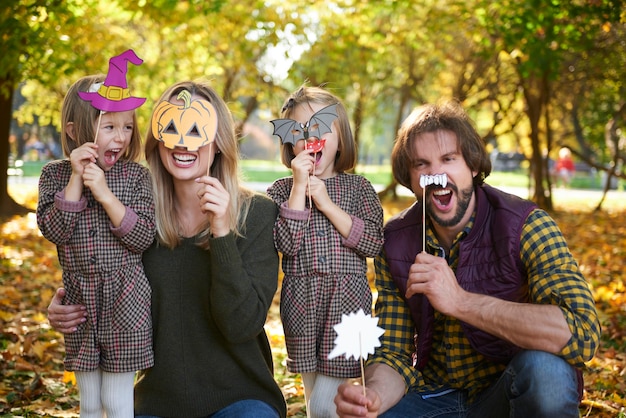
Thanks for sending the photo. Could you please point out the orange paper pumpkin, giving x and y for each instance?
(191, 126)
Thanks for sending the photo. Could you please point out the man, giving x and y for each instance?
(493, 318)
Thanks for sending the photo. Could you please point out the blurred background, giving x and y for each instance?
(536, 76)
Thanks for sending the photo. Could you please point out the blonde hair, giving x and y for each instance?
(84, 116)
(225, 168)
(346, 150)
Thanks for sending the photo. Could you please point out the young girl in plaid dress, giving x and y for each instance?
(329, 222)
(97, 207)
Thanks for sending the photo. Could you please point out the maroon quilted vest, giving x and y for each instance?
(489, 263)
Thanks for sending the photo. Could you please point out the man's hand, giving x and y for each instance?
(351, 402)
(431, 276)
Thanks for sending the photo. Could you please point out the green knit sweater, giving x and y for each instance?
(208, 312)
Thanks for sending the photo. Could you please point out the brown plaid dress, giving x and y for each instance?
(325, 274)
(102, 266)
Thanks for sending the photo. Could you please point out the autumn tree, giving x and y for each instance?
(538, 35)
(26, 28)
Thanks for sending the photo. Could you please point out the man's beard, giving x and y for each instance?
(464, 198)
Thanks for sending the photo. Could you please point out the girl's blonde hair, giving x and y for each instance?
(84, 118)
(225, 168)
(346, 150)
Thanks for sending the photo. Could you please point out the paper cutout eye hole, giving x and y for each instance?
(193, 131)
(196, 118)
(171, 128)
(314, 128)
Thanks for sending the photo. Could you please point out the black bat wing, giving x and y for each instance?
(321, 122)
(288, 130)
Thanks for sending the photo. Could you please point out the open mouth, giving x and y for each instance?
(111, 156)
(316, 145)
(442, 198)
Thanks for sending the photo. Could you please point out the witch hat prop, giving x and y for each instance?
(113, 95)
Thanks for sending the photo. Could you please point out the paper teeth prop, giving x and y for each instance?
(437, 179)
(427, 180)
(357, 336)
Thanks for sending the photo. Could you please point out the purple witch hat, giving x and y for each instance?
(113, 95)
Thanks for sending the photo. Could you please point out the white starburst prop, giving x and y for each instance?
(357, 337)
(427, 180)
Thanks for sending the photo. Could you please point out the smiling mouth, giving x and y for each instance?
(184, 159)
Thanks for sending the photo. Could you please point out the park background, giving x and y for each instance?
(534, 75)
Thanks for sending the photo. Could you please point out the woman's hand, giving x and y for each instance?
(65, 318)
(215, 202)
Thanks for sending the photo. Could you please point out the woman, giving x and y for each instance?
(213, 269)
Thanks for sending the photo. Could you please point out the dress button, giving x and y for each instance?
(320, 233)
(92, 232)
(322, 259)
(93, 260)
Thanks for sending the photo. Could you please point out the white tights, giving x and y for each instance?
(102, 392)
(319, 394)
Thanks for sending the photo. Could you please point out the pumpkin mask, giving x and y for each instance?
(190, 125)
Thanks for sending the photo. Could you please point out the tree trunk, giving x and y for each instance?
(8, 206)
(535, 95)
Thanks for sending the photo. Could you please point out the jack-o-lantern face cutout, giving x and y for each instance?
(192, 125)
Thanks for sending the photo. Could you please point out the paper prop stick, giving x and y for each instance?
(357, 336)
(290, 132)
(427, 180)
(190, 125)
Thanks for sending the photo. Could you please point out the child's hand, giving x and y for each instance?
(319, 194)
(215, 202)
(83, 155)
(302, 166)
(93, 178)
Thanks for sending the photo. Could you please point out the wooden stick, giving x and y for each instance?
(362, 368)
(423, 218)
(208, 169)
(95, 139)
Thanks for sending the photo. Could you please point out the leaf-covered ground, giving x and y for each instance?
(33, 383)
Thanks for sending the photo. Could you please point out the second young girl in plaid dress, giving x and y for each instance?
(329, 222)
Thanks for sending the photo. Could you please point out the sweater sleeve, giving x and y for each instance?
(138, 226)
(245, 274)
(57, 217)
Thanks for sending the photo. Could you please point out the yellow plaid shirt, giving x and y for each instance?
(553, 277)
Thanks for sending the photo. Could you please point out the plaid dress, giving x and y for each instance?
(325, 274)
(102, 266)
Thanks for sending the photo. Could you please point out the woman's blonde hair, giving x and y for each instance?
(84, 117)
(225, 168)
(346, 150)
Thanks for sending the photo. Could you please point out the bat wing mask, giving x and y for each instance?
(291, 131)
